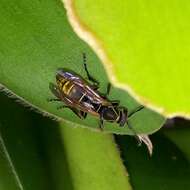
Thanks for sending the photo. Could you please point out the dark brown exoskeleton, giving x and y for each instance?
(83, 97)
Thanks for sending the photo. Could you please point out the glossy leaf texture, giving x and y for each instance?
(35, 40)
(145, 46)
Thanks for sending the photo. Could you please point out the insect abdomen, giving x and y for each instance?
(70, 89)
(65, 85)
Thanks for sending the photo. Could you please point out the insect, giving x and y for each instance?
(82, 97)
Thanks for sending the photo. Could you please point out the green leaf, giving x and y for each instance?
(179, 134)
(168, 168)
(93, 160)
(9, 179)
(22, 162)
(35, 40)
(54, 150)
(145, 46)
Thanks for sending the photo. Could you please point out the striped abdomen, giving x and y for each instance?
(71, 90)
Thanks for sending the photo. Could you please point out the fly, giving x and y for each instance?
(82, 97)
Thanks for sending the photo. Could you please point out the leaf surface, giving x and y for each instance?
(35, 40)
(144, 45)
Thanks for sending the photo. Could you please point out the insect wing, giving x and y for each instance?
(73, 100)
(92, 95)
(81, 87)
(79, 81)
(66, 74)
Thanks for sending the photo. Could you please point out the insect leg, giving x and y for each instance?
(62, 106)
(83, 114)
(101, 124)
(136, 110)
(53, 100)
(90, 78)
(79, 113)
(115, 102)
(107, 90)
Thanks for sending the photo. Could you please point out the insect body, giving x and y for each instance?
(83, 97)
(76, 93)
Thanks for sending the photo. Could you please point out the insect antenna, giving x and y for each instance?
(84, 58)
(139, 108)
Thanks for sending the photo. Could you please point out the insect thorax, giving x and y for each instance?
(110, 114)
